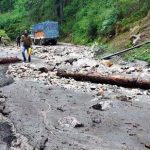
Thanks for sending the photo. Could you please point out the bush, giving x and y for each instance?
(108, 25)
(142, 53)
(5, 39)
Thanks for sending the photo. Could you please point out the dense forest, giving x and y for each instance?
(81, 21)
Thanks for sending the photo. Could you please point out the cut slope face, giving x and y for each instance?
(140, 29)
(145, 28)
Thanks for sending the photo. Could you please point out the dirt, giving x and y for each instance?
(140, 29)
(46, 113)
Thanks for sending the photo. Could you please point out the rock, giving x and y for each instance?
(2, 100)
(2, 109)
(45, 50)
(135, 39)
(95, 99)
(147, 146)
(124, 98)
(130, 70)
(43, 56)
(102, 105)
(70, 122)
(125, 67)
(107, 63)
(100, 92)
(96, 120)
(2, 96)
(93, 87)
(71, 60)
(19, 71)
(83, 63)
(43, 69)
(137, 92)
(43, 143)
(60, 109)
(138, 69)
(148, 92)
(58, 63)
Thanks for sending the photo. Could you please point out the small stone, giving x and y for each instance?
(102, 105)
(125, 67)
(2, 100)
(96, 120)
(43, 143)
(130, 70)
(43, 69)
(100, 92)
(124, 98)
(2, 96)
(93, 87)
(70, 122)
(147, 146)
(60, 109)
(45, 50)
(107, 63)
(71, 60)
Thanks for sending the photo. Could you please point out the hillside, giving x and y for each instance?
(140, 29)
(65, 96)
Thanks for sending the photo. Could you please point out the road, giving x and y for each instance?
(42, 111)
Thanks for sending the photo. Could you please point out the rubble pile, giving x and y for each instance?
(76, 59)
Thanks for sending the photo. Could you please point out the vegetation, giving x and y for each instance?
(81, 21)
(141, 54)
(4, 37)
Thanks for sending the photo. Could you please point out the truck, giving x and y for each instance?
(45, 33)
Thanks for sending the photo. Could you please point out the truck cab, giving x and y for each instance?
(45, 33)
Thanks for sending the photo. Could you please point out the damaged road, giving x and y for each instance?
(9, 138)
(53, 113)
(35, 111)
(3, 79)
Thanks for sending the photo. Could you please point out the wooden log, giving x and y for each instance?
(8, 60)
(107, 79)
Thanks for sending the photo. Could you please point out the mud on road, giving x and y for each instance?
(51, 113)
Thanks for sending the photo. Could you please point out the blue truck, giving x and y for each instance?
(45, 33)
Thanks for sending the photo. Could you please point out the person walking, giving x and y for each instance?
(0, 39)
(26, 46)
(18, 40)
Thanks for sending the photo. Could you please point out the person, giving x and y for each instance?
(0, 39)
(18, 40)
(26, 46)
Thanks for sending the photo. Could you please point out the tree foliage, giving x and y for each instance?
(83, 21)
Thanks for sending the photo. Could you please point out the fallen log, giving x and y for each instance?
(8, 60)
(107, 79)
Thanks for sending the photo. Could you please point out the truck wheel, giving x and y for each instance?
(54, 42)
(41, 42)
(35, 43)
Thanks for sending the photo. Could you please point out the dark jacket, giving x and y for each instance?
(26, 40)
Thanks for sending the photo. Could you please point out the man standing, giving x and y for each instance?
(0, 39)
(26, 45)
(18, 40)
